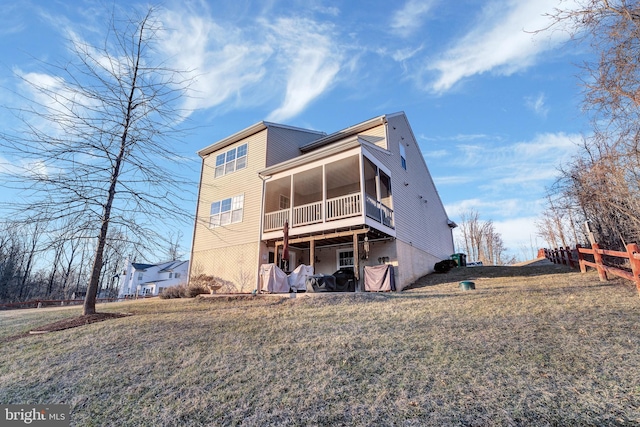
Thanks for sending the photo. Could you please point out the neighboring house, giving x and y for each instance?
(360, 196)
(151, 279)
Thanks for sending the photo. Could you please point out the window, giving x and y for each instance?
(170, 275)
(284, 202)
(403, 156)
(227, 211)
(139, 276)
(345, 258)
(231, 160)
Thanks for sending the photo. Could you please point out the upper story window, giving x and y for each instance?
(227, 211)
(231, 160)
(403, 156)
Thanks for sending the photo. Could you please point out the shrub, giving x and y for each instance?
(173, 292)
(184, 291)
(195, 290)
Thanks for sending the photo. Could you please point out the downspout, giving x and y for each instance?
(195, 223)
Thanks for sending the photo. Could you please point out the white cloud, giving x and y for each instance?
(537, 104)
(254, 63)
(405, 54)
(542, 154)
(452, 180)
(435, 154)
(407, 20)
(499, 42)
(520, 235)
(223, 60)
(311, 60)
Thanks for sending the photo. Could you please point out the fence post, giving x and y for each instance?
(597, 256)
(572, 263)
(583, 268)
(632, 249)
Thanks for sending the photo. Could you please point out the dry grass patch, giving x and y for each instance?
(528, 347)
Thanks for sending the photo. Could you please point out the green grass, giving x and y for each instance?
(530, 346)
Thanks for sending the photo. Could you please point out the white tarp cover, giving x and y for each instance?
(273, 279)
(298, 277)
(379, 278)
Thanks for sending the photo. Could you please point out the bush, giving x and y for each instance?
(184, 291)
(195, 290)
(173, 292)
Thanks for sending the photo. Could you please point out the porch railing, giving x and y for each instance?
(307, 214)
(336, 208)
(275, 220)
(379, 211)
(343, 206)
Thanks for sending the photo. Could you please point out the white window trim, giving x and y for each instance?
(340, 251)
(403, 156)
(235, 212)
(230, 166)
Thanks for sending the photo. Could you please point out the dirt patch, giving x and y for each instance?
(72, 322)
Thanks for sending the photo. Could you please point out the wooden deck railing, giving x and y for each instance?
(568, 257)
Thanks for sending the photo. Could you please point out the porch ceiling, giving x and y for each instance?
(332, 238)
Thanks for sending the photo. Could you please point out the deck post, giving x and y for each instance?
(356, 261)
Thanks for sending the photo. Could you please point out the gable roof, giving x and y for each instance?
(247, 132)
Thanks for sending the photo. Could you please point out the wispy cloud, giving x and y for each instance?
(537, 104)
(408, 20)
(311, 61)
(405, 53)
(254, 64)
(222, 59)
(499, 43)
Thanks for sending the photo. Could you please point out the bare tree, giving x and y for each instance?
(95, 137)
(480, 239)
(605, 180)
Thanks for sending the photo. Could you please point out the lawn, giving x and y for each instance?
(530, 346)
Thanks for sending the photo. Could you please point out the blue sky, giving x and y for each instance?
(495, 108)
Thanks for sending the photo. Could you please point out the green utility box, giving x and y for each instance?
(461, 259)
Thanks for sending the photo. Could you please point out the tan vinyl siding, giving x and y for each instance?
(376, 136)
(245, 181)
(236, 264)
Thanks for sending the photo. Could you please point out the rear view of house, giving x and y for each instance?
(358, 197)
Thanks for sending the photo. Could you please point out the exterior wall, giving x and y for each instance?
(284, 144)
(211, 251)
(237, 264)
(218, 251)
(413, 262)
(376, 136)
(422, 225)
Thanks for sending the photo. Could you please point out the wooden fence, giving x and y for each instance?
(576, 257)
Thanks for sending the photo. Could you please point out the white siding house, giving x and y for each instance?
(140, 279)
(360, 196)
